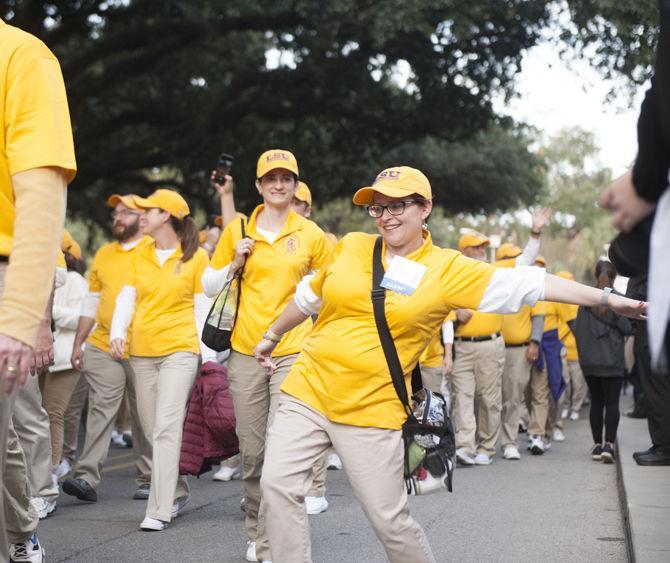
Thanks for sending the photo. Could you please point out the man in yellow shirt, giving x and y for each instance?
(107, 377)
(36, 164)
(479, 359)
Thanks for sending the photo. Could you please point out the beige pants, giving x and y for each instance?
(545, 414)
(72, 420)
(477, 376)
(575, 393)
(108, 380)
(163, 387)
(298, 438)
(57, 388)
(7, 471)
(514, 382)
(432, 378)
(256, 397)
(20, 517)
(31, 423)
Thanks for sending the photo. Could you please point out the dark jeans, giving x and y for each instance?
(605, 392)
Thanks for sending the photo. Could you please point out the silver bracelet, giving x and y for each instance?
(271, 336)
(605, 297)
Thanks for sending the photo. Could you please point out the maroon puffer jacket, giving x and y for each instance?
(209, 429)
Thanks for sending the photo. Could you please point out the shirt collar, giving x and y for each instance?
(293, 223)
(420, 252)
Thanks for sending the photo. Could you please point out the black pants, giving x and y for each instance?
(655, 389)
(605, 392)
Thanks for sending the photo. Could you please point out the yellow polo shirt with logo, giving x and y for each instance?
(480, 324)
(433, 356)
(164, 320)
(517, 328)
(270, 277)
(111, 269)
(342, 371)
(567, 313)
(36, 131)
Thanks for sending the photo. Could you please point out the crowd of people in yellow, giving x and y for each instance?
(308, 378)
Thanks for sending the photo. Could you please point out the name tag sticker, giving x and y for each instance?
(403, 275)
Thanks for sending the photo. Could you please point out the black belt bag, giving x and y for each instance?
(428, 434)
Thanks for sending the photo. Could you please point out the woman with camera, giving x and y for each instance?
(277, 249)
(167, 307)
(339, 390)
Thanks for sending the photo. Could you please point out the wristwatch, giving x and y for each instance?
(605, 297)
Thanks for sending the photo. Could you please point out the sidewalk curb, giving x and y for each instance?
(623, 499)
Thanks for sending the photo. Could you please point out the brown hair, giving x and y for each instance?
(188, 234)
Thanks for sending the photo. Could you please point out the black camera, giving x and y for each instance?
(223, 166)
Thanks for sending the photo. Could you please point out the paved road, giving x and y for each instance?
(558, 507)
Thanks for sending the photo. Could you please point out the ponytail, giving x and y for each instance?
(188, 234)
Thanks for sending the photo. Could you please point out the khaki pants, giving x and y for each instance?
(575, 393)
(545, 414)
(108, 379)
(72, 420)
(432, 378)
(31, 423)
(123, 421)
(163, 387)
(477, 375)
(6, 472)
(256, 397)
(514, 382)
(298, 438)
(57, 388)
(20, 517)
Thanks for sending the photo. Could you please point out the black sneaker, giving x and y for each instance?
(142, 492)
(653, 456)
(597, 452)
(608, 453)
(80, 489)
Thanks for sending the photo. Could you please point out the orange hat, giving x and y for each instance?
(303, 194)
(168, 200)
(202, 236)
(472, 238)
(566, 275)
(507, 250)
(239, 215)
(399, 181)
(276, 158)
(541, 260)
(68, 244)
(127, 200)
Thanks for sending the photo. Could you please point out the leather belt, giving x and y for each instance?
(526, 343)
(4, 258)
(477, 338)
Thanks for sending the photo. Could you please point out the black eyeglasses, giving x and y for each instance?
(394, 208)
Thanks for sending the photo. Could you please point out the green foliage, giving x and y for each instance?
(158, 89)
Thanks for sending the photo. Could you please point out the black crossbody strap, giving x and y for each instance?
(378, 302)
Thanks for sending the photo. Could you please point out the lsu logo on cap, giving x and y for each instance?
(277, 156)
(389, 174)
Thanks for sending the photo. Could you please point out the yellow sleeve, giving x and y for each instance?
(224, 253)
(37, 118)
(464, 281)
(318, 280)
(94, 285)
(451, 316)
(321, 251)
(201, 263)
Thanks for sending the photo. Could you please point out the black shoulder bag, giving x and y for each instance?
(428, 434)
(222, 316)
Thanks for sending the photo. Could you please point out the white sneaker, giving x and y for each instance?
(43, 507)
(536, 445)
(178, 506)
(243, 504)
(29, 552)
(226, 473)
(483, 459)
(565, 413)
(463, 458)
(574, 415)
(250, 555)
(334, 462)
(153, 525)
(547, 444)
(511, 452)
(117, 439)
(316, 505)
(64, 467)
(558, 435)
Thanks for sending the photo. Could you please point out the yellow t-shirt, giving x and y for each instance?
(164, 321)
(110, 271)
(567, 313)
(480, 324)
(551, 313)
(271, 275)
(433, 356)
(517, 328)
(36, 131)
(342, 371)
